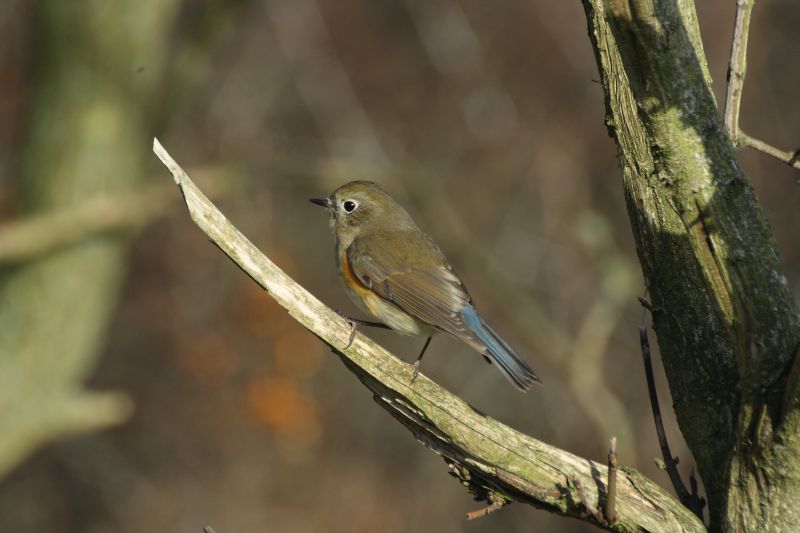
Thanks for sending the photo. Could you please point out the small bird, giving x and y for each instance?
(394, 272)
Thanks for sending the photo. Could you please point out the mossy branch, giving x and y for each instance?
(496, 463)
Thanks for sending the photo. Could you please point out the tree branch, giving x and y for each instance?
(608, 514)
(790, 158)
(690, 500)
(593, 511)
(495, 462)
(492, 507)
(611, 496)
(40, 233)
(737, 68)
(54, 311)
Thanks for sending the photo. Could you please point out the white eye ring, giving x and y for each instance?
(349, 206)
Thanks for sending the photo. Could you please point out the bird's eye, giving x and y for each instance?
(350, 205)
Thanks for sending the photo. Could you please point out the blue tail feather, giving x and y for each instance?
(510, 364)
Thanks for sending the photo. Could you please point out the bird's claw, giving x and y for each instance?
(352, 334)
(353, 326)
(415, 365)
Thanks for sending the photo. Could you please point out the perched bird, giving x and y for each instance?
(396, 273)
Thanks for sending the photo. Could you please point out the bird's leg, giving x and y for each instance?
(415, 364)
(355, 322)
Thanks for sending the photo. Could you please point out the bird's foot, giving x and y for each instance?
(416, 363)
(354, 322)
(415, 366)
(353, 325)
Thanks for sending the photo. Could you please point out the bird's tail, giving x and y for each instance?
(510, 364)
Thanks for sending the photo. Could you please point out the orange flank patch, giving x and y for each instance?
(371, 300)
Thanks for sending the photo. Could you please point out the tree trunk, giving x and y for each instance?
(86, 135)
(726, 320)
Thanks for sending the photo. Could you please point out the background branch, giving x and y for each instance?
(737, 68)
(494, 461)
(33, 235)
(690, 500)
(790, 158)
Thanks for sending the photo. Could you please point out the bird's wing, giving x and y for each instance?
(409, 270)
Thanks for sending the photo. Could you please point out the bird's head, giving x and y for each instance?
(359, 207)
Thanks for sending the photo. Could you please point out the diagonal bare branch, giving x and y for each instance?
(495, 462)
(790, 158)
(737, 68)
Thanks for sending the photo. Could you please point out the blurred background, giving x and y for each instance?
(146, 384)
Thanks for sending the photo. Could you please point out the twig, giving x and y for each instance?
(692, 501)
(500, 459)
(596, 513)
(611, 491)
(208, 529)
(607, 516)
(693, 487)
(492, 507)
(645, 303)
(737, 68)
(670, 461)
(790, 158)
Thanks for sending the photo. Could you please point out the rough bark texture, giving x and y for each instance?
(726, 320)
(496, 463)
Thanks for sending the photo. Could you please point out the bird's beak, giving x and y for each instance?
(324, 202)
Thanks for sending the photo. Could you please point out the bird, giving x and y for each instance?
(396, 273)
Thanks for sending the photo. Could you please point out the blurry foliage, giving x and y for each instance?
(484, 120)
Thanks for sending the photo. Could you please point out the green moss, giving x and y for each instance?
(725, 319)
